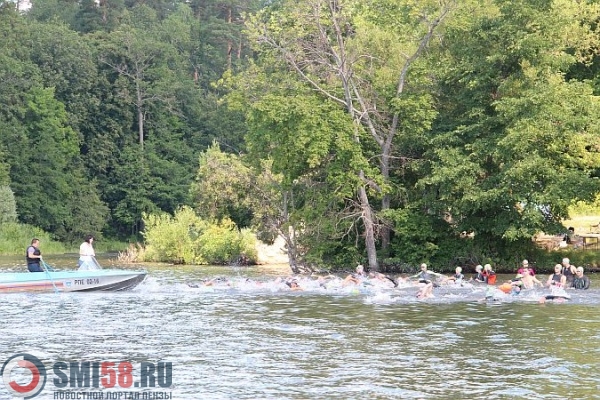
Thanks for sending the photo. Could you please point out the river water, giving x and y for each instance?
(256, 340)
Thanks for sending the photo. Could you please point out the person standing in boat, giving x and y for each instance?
(87, 254)
(34, 256)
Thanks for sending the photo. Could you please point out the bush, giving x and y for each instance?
(225, 244)
(135, 252)
(171, 239)
(585, 208)
(187, 239)
(248, 242)
(16, 237)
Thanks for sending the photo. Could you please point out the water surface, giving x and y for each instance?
(261, 341)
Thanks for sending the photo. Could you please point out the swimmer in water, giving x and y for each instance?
(210, 282)
(557, 279)
(514, 286)
(457, 278)
(324, 280)
(491, 294)
(529, 281)
(489, 274)
(426, 292)
(425, 275)
(478, 277)
(381, 280)
(356, 277)
(425, 278)
(557, 294)
(293, 285)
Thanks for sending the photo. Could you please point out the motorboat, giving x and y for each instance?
(71, 281)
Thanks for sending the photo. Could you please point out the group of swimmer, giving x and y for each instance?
(565, 276)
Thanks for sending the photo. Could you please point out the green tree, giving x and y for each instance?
(360, 61)
(8, 206)
(54, 11)
(148, 83)
(308, 158)
(45, 167)
(95, 16)
(222, 187)
(131, 200)
(515, 142)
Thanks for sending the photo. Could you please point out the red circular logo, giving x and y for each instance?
(32, 374)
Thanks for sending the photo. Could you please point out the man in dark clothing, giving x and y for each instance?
(580, 281)
(34, 256)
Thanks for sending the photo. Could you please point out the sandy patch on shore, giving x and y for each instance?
(272, 254)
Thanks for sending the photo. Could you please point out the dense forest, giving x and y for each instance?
(383, 131)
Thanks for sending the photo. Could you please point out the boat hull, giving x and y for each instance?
(70, 281)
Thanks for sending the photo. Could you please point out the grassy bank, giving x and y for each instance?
(15, 238)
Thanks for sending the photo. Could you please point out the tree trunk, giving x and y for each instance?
(367, 219)
(140, 113)
(229, 43)
(386, 150)
(289, 235)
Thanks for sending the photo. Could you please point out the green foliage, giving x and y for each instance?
(579, 258)
(187, 239)
(15, 238)
(4, 169)
(105, 245)
(8, 206)
(582, 208)
(46, 173)
(225, 244)
(89, 214)
(415, 235)
(222, 188)
(515, 142)
(172, 239)
(54, 11)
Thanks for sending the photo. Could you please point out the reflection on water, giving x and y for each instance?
(264, 342)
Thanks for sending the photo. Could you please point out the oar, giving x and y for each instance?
(47, 269)
(96, 263)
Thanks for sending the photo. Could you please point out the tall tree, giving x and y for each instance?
(310, 144)
(515, 142)
(137, 54)
(360, 61)
(45, 168)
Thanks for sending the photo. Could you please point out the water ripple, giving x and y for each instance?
(259, 341)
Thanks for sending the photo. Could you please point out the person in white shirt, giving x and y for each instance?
(87, 254)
